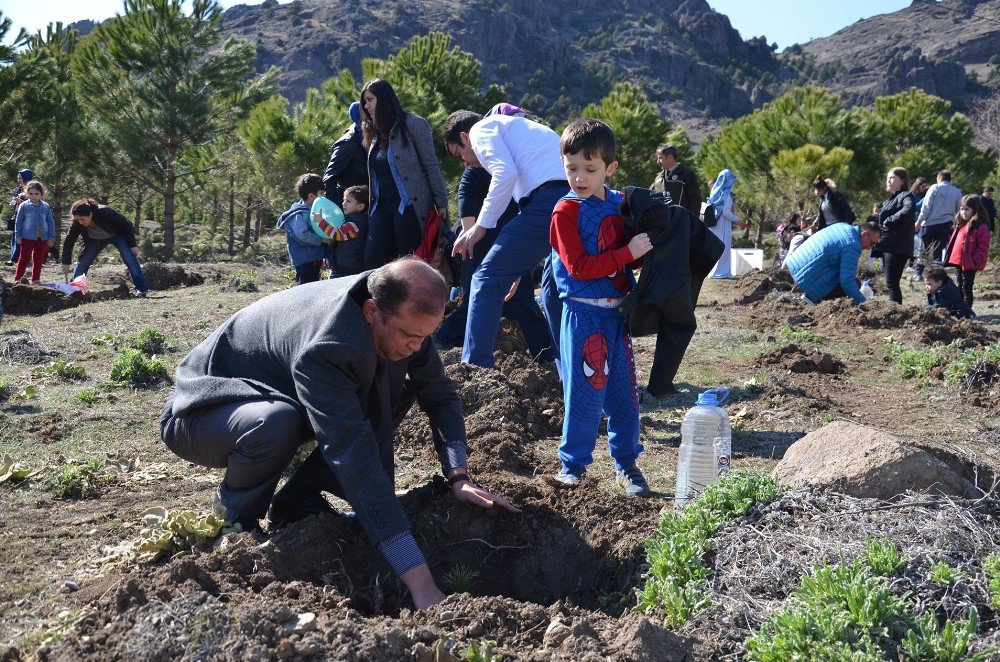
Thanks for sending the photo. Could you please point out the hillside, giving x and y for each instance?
(551, 56)
(929, 45)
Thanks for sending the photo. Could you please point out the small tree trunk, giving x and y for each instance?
(258, 225)
(232, 214)
(215, 212)
(247, 216)
(168, 210)
(138, 208)
(758, 237)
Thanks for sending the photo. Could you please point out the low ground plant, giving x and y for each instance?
(168, 532)
(959, 369)
(799, 335)
(131, 368)
(929, 642)
(677, 581)
(62, 370)
(991, 567)
(912, 362)
(150, 342)
(460, 579)
(944, 574)
(78, 480)
(86, 395)
(884, 557)
(480, 651)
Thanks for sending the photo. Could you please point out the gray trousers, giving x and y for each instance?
(254, 440)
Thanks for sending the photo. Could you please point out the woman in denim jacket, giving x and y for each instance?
(404, 175)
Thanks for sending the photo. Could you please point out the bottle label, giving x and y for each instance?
(723, 465)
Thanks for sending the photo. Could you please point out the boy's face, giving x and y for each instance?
(932, 286)
(586, 176)
(352, 206)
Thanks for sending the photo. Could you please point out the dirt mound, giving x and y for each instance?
(755, 285)
(317, 588)
(34, 300)
(922, 324)
(509, 411)
(21, 347)
(160, 276)
(795, 359)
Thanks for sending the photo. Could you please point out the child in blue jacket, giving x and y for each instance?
(305, 247)
(34, 232)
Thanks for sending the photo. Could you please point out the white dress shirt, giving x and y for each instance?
(521, 155)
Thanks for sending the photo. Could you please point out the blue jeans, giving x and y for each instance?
(522, 308)
(92, 249)
(520, 246)
(15, 249)
(935, 238)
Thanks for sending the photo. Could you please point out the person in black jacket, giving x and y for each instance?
(348, 164)
(896, 219)
(664, 298)
(943, 293)
(991, 210)
(677, 179)
(833, 207)
(100, 226)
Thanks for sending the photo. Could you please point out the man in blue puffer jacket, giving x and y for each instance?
(305, 247)
(825, 266)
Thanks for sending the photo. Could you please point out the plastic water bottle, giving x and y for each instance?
(706, 446)
(866, 289)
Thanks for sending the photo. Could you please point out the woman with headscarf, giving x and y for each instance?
(404, 175)
(721, 200)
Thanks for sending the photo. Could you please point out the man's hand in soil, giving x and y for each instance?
(468, 492)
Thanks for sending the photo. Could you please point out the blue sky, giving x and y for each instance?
(783, 21)
(790, 22)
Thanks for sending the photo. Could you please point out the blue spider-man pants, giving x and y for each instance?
(598, 372)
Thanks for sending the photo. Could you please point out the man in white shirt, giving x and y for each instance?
(937, 212)
(523, 158)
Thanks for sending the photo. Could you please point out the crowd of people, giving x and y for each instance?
(930, 227)
(343, 359)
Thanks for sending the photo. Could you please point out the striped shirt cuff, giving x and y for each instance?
(401, 552)
(453, 455)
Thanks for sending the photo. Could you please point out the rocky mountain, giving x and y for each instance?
(948, 48)
(552, 55)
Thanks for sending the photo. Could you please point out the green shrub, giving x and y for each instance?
(928, 643)
(959, 368)
(884, 557)
(86, 395)
(62, 370)
(78, 481)
(913, 362)
(992, 569)
(131, 368)
(944, 574)
(149, 341)
(836, 613)
(799, 335)
(676, 582)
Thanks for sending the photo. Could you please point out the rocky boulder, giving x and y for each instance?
(865, 462)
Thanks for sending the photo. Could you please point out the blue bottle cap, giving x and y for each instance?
(713, 397)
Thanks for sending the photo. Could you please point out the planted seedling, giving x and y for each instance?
(460, 579)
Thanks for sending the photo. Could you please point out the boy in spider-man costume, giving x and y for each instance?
(591, 261)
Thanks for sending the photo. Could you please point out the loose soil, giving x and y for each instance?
(555, 582)
(37, 300)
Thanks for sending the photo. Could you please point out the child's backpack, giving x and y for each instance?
(708, 215)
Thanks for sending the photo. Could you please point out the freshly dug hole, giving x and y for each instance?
(36, 300)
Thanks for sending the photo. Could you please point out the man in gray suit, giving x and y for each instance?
(341, 361)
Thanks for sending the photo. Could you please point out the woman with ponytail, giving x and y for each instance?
(99, 226)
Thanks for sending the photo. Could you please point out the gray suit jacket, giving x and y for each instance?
(311, 346)
(417, 164)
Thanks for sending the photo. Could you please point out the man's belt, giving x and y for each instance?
(552, 183)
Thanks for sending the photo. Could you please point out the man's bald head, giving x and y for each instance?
(408, 282)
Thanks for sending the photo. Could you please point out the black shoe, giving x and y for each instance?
(280, 514)
(645, 392)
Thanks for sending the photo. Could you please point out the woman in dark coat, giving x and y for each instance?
(99, 226)
(833, 207)
(404, 175)
(896, 220)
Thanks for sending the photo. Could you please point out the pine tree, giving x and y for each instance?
(161, 83)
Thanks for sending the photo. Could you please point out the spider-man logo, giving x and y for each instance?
(611, 235)
(595, 360)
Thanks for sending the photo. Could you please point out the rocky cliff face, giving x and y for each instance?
(551, 55)
(943, 47)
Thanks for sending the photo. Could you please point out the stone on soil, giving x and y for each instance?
(865, 462)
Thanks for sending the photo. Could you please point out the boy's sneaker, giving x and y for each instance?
(139, 294)
(633, 482)
(563, 479)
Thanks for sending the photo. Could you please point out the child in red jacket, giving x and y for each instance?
(969, 246)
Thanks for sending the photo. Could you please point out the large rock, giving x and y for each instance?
(864, 462)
